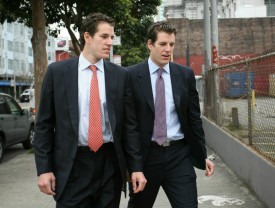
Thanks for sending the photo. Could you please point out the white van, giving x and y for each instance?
(25, 96)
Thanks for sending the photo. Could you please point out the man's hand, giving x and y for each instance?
(46, 183)
(209, 167)
(138, 181)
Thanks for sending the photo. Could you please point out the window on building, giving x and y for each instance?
(31, 68)
(16, 64)
(21, 29)
(10, 45)
(10, 27)
(49, 43)
(22, 48)
(29, 51)
(270, 7)
(16, 29)
(29, 33)
(22, 66)
(49, 56)
(10, 64)
(0, 62)
(3, 43)
(16, 46)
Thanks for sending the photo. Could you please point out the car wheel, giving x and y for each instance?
(29, 142)
(1, 149)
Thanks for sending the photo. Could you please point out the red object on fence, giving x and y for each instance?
(214, 55)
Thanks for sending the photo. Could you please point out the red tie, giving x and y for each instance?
(95, 138)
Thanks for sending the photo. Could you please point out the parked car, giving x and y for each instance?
(16, 124)
(25, 96)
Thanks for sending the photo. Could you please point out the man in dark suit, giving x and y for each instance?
(70, 166)
(168, 114)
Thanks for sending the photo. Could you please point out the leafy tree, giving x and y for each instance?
(132, 19)
(133, 48)
(25, 14)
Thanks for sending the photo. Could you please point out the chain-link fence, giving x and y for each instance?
(240, 98)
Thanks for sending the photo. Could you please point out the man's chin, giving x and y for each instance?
(165, 62)
(105, 56)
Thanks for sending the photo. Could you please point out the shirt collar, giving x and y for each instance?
(153, 67)
(84, 63)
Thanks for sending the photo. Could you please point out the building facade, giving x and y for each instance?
(194, 9)
(16, 57)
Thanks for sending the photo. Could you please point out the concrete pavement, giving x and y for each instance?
(18, 187)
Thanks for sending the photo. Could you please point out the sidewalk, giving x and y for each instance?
(18, 187)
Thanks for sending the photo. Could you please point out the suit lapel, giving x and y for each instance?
(110, 86)
(71, 81)
(176, 81)
(145, 84)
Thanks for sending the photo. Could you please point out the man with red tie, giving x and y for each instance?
(169, 123)
(86, 131)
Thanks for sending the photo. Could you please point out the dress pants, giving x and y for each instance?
(95, 180)
(171, 168)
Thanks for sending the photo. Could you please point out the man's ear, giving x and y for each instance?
(87, 37)
(149, 44)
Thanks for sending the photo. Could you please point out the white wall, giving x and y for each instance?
(251, 11)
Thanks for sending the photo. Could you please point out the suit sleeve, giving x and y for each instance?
(131, 143)
(194, 115)
(44, 128)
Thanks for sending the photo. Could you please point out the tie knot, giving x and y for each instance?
(93, 68)
(160, 71)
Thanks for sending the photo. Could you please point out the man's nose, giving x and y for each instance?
(169, 48)
(110, 41)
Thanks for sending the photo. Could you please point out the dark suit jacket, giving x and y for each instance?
(186, 102)
(56, 131)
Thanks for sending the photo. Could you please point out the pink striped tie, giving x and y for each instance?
(95, 138)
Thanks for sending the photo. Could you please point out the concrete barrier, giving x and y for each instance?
(254, 170)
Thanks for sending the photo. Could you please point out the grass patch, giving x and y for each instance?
(30, 151)
(233, 127)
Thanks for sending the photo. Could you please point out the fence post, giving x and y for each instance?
(249, 102)
(235, 117)
(216, 96)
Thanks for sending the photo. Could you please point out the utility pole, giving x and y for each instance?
(207, 39)
(215, 61)
(207, 59)
(187, 43)
(14, 86)
(214, 33)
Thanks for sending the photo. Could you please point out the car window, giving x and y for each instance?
(4, 109)
(26, 91)
(14, 107)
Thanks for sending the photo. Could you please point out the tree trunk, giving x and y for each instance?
(39, 46)
(75, 42)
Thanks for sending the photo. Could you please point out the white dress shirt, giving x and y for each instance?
(84, 81)
(172, 121)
